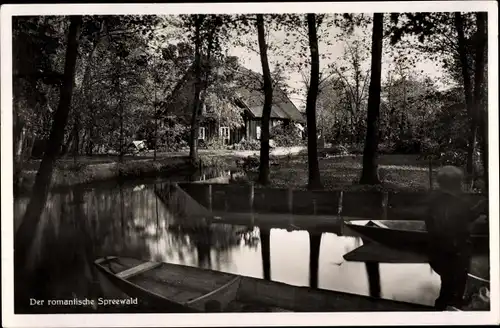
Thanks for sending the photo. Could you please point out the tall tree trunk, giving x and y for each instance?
(83, 139)
(67, 146)
(268, 102)
(481, 108)
(403, 111)
(312, 95)
(121, 127)
(207, 64)
(90, 141)
(369, 174)
(88, 97)
(76, 135)
(26, 231)
(19, 137)
(469, 101)
(193, 147)
(156, 127)
(19, 133)
(88, 93)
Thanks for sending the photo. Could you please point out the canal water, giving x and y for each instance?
(80, 225)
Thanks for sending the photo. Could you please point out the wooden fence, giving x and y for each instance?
(241, 198)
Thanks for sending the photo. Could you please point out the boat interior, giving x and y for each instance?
(213, 291)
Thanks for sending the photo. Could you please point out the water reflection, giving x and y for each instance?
(266, 252)
(373, 272)
(80, 225)
(314, 246)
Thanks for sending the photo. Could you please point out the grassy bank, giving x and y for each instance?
(85, 172)
(397, 173)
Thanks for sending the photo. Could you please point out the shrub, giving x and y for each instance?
(214, 162)
(216, 144)
(407, 146)
(334, 150)
(386, 148)
(356, 149)
(249, 164)
(137, 169)
(70, 166)
(175, 136)
(453, 157)
(285, 135)
(244, 144)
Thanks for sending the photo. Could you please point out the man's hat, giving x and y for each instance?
(450, 178)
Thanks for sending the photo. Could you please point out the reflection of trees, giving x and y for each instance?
(208, 238)
(211, 172)
(78, 226)
(373, 271)
(314, 247)
(265, 235)
(75, 228)
(250, 238)
(203, 236)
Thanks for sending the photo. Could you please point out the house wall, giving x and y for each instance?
(247, 131)
(212, 132)
(252, 126)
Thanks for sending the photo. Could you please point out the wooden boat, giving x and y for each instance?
(478, 276)
(179, 288)
(406, 235)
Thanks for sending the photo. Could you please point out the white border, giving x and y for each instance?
(243, 319)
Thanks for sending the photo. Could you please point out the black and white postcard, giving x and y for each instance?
(235, 164)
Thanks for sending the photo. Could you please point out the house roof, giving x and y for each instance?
(248, 92)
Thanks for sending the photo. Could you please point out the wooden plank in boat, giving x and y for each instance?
(179, 294)
(191, 278)
(172, 286)
(374, 252)
(224, 295)
(143, 267)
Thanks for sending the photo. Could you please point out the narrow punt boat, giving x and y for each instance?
(380, 252)
(406, 235)
(179, 288)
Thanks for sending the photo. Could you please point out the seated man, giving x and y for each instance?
(448, 222)
(449, 218)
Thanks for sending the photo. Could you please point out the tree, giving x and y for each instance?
(312, 147)
(25, 232)
(437, 35)
(350, 79)
(369, 173)
(36, 78)
(468, 92)
(207, 32)
(268, 99)
(480, 99)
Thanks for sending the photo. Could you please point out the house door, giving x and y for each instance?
(224, 134)
(202, 133)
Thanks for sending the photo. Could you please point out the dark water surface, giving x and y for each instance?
(79, 226)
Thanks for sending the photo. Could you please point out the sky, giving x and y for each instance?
(249, 57)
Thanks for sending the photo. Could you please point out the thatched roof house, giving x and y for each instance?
(234, 100)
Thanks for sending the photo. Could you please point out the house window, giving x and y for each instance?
(257, 132)
(201, 133)
(224, 133)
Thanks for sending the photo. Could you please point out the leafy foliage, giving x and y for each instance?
(129, 66)
(286, 135)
